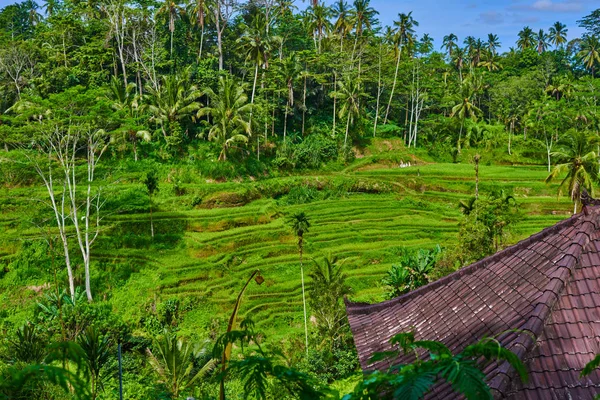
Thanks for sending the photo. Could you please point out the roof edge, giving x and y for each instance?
(358, 308)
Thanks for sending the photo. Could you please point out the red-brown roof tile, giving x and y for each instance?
(547, 286)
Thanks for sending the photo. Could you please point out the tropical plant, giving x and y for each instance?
(151, 183)
(558, 34)
(299, 223)
(542, 40)
(229, 113)
(327, 289)
(349, 94)
(414, 380)
(526, 39)
(27, 346)
(590, 53)
(412, 271)
(403, 36)
(179, 364)
(465, 108)
(450, 43)
(97, 349)
(172, 10)
(493, 43)
(577, 158)
(173, 103)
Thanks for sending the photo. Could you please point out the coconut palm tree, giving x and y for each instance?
(426, 44)
(493, 43)
(327, 289)
(404, 36)
(318, 23)
(542, 41)
(174, 102)
(126, 100)
(197, 10)
(230, 115)
(577, 158)
(289, 70)
(257, 45)
(490, 61)
(450, 43)
(526, 39)
(459, 58)
(349, 94)
(342, 25)
(300, 224)
(465, 109)
(590, 53)
(179, 364)
(172, 10)
(362, 16)
(558, 34)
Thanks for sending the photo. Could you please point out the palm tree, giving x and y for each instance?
(230, 115)
(257, 45)
(426, 44)
(318, 23)
(175, 101)
(342, 25)
(542, 41)
(178, 364)
(198, 11)
(477, 50)
(558, 34)
(97, 350)
(50, 7)
(577, 158)
(450, 43)
(465, 109)
(328, 287)
(493, 43)
(526, 39)
(590, 52)
(300, 224)
(290, 69)
(404, 36)
(460, 56)
(172, 10)
(349, 94)
(490, 61)
(362, 17)
(126, 100)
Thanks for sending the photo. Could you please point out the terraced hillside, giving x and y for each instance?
(211, 238)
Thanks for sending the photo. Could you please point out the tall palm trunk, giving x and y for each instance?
(387, 112)
(201, 43)
(304, 105)
(334, 101)
(300, 246)
(347, 129)
(379, 90)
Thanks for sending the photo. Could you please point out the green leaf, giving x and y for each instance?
(591, 366)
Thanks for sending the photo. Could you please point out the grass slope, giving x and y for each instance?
(376, 210)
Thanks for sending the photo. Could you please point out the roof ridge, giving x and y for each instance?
(364, 308)
(533, 327)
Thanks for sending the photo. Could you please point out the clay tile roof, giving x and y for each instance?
(547, 286)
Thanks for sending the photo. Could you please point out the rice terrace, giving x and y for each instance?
(267, 199)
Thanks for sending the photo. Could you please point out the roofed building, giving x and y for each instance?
(540, 298)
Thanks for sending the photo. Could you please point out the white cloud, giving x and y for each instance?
(557, 6)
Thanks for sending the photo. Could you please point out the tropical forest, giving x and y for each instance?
(192, 191)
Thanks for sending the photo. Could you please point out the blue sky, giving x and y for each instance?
(478, 18)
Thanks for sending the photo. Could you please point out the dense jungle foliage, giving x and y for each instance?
(189, 190)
